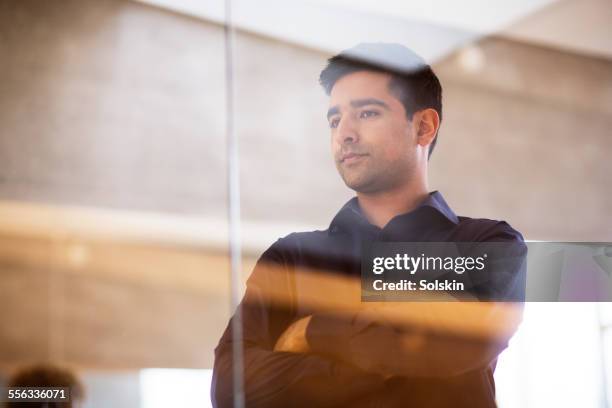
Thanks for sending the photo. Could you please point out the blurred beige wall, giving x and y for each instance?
(95, 304)
(114, 104)
(111, 103)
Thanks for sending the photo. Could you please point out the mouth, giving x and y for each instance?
(351, 158)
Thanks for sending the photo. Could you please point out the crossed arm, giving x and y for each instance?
(275, 378)
(371, 341)
(333, 358)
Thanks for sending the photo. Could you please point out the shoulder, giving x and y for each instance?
(296, 243)
(487, 230)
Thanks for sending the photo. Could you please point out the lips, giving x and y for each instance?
(350, 157)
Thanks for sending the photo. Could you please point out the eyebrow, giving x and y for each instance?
(358, 103)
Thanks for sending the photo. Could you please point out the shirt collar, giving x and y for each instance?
(351, 214)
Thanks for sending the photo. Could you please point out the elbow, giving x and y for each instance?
(478, 358)
(222, 384)
(221, 390)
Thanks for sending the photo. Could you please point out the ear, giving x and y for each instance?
(427, 123)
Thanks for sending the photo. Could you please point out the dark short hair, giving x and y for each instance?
(412, 80)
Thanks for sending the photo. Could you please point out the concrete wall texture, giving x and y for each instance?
(116, 104)
(109, 103)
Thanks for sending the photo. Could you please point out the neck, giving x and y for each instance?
(380, 207)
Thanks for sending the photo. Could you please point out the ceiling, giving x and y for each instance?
(433, 29)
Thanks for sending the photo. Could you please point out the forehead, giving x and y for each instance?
(361, 85)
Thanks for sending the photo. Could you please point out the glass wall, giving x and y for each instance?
(151, 152)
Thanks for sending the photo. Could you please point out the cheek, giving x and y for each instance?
(397, 150)
(394, 142)
(333, 142)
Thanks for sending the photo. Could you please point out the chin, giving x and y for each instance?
(371, 185)
(361, 186)
(362, 181)
(366, 189)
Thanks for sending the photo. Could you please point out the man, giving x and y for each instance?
(307, 339)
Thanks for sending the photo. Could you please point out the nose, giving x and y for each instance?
(347, 131)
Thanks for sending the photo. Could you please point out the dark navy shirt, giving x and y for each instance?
(282, 379)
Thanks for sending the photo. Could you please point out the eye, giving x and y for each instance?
(334, 123)
(368, 114)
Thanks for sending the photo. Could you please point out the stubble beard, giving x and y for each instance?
(371, 180)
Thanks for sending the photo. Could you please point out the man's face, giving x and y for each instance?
(373, 143)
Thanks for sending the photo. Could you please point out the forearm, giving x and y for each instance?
(370, 341)
(280, 379)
